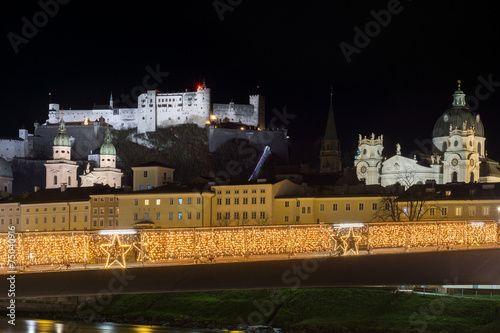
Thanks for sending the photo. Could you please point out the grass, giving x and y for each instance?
(316, 310)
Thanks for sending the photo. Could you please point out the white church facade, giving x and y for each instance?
(459, 150)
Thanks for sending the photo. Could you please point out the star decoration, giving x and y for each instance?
(350, 243)
(146, 249)
(116, 252)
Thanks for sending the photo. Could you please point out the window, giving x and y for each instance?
(94, 222)
(236, 201)
(85, 218)
(145, 174)
(74, 218)
(444, 211)
(157, 216)
(111, 211)
(236, 215)
(303, 210)
(298, 203)
(146, 202)
(171, 201)
(179, 215)
(262, 215)
(198, 215)
(219, 216)
(236, 191)
(254, 215)
(228, 201)
(245, 215)
(309, 210)
(136, 202)
(136, 216)
(228, 192)
(347, 206)
(287, 203)
(146, 216)
(262, 191)
(472, 211)
(110, 222)
(170, 216)
(27, 220)
(53, 209)
(101, 223)
(286, 218)
(254, 201)
(322, 207)
(227, 215)
(432, 211)
(189, 201)
(63, 219)
(263, 201)
(254, 191)
(219, 192)
(486, 210)
(189, 215)
(198, 201)
(297, 218)
(180, 201)
(245, 191)
(245, 201)
(334, 207)
(158, 202)
(94, 211)
(101, 210)
(219, 201)
(458, 211)
(36, 220)
(374, 206)
(44, 220)
(361, 206)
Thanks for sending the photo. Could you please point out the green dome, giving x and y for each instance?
(5, 168)
(62, 138)
(107, 148)
(456, 116)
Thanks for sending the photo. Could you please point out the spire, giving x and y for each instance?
(111, 100)
(331, 128)
(107, 147)
(459, 96)
(62, 138)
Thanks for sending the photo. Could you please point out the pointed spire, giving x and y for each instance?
(331, 128)
(111, 100)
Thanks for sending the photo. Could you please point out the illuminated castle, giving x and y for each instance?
(159, 110)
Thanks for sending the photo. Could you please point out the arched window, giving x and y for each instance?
(479, 148)
(444, 147)
(472, 177)
(55, 180)
(454, 176)
(69, 180)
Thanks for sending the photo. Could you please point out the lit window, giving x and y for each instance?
(158, 201)
(180, 201)
(180, 216)
(458, 211)
(146, 202)
(157, 216)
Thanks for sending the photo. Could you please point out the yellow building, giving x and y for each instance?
(248, 204)
(325, 209)
(151, 175)
(104, 211)
(171, 206)
(10, 215)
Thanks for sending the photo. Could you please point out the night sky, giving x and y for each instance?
(397, 83)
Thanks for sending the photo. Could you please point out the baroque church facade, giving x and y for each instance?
(459, 153)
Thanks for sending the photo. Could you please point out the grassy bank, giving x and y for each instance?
(312, 310)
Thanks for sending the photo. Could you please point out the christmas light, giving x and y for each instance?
(116, 250)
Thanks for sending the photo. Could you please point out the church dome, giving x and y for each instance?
(5, 168)
(62, 138)
(107, 148)
(458, 115)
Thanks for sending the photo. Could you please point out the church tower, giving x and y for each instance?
(107, 173)
(61, 170)
(329, 156)
(461, 158)
(368, 160)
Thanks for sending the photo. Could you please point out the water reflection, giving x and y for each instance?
(52, 326)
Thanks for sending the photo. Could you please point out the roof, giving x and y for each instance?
(107, 148)
(152, 164)
(173, 188)
(454, 191)
(70, 194)
(489, 168)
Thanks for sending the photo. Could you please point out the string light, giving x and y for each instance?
(161, 245)
(117, 251)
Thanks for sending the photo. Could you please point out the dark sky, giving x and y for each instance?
(398, 83)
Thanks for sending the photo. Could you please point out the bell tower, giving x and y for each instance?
(329, 155)
(368, 160)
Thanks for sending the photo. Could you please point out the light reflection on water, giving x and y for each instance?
(53, 326)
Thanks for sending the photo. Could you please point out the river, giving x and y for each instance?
(55, 326)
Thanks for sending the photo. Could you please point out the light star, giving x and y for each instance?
(144, 252)
(350, 242)
(116, 250)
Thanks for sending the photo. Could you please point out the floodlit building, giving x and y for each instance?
(151, 175)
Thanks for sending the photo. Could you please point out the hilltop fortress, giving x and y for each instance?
(159, 110)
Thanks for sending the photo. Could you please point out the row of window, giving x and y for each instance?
(171, 201)
(101, 223)
(236, 201)
(54, 219)
(459, 211)
(335, 207)
(102, 210)
(53, 208)
(237, 216)
(102, 199)
(180, 216)
(262, 190)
